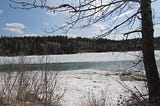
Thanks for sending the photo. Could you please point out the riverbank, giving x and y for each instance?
(115, 87)
(80, 85)
(72, 88)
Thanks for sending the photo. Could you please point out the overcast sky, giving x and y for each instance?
(15, 22)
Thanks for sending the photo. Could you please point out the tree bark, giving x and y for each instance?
(148, 50)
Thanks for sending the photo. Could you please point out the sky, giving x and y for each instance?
(35, 22)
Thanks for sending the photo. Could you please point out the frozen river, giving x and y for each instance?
(110, 61)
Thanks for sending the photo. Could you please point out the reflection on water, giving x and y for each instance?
(109, 66)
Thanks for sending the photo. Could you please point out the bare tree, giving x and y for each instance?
(148, 50)
(89, 12)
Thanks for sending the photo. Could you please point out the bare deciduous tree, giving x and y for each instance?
(113, 13)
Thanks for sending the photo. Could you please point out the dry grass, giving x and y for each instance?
(30, 88)
(93, 101)
(96, 99)
(139, 98)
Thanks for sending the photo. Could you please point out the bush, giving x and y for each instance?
(36, 88)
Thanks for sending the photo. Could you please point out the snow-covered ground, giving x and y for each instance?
(80, 57)
(82, 84)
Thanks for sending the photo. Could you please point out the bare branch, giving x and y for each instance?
(132, 1)
(28, 6)
(86, 10)
(117, 26)
(131, 32)
(95, 7)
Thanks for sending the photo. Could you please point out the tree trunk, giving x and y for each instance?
(148, 50)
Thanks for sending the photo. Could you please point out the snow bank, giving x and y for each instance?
(80, 57)
(81, 84)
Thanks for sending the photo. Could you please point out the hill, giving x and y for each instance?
(11, 46)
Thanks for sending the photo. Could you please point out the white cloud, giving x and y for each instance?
(46, 24)
(100, 2)
(1, 11)
(98, 26)
(15, 25)
(122, 15)
(29, 35)
(50, 13)
(73, 35)
(14, 28)
(96, 29)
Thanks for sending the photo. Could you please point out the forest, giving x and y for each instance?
(46, 45)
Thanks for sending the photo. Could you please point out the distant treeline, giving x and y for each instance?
(11, 46)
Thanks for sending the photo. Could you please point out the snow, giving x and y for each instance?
(81, 84)
(79, 57)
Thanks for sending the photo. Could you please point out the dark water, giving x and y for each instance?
(109, 66)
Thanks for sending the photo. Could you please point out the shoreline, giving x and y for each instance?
(83, 83)
(80, 85)
(79, 57)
